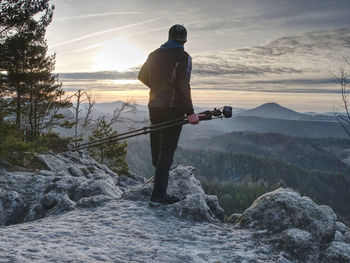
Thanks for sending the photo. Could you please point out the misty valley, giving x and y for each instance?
(266, 149)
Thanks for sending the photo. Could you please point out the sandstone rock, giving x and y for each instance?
(74, 171)
(233, 218)
(193, 208)
(196, 205)
(13, 208)
(129, 181)
(64, 204)
(213, 203)
(345, 231)
(282, 259)
(139, 193)
(99, 187)
(339, 237)
(296, 238)
(73, 163)
(281, 226)
(284, 209)
(298, 244)
(337, 252)
(93, 201)
(71, 176)
(182, 182)
(2, 171)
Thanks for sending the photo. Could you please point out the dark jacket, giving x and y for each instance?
(167, 73)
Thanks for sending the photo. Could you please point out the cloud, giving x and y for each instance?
(264, 17)
(311, 52)
(88, 16)
(118, 29)
(105, 31)
(297, 64)
(101, 75)
(220, 69)
(204, 23)
(303, 14)
(275, 90)
(296, 81)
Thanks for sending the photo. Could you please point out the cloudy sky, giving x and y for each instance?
(245, 52)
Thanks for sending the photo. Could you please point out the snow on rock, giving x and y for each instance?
(123, 231)
(13, 207)
(297, 226)
(337, 252)
(196, 205)
(342, 233)
(130, 181)
(69, 178)
(80, 211)
(74, 163)
(127, 231)
(283, 209)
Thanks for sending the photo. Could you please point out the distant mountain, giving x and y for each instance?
(108, 107)
(269, 117)
(274, 111)
(299, 128)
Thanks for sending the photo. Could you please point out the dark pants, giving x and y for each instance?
(163, 146)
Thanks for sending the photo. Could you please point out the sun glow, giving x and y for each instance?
(119, 55)
(124, 81)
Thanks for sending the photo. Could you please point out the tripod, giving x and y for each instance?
(206, 115)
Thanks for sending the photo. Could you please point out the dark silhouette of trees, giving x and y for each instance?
(344, 82)
(31, 94)
(112, 154)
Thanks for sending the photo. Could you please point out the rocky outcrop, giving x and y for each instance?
(70, 179)
(297, 226)
(337, 252)
(90, 213)
(195, 206)
(74, 179)
(285, 209)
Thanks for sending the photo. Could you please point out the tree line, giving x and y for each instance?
(32, 100)
(30, 94)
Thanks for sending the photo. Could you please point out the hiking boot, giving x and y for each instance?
(164, 200)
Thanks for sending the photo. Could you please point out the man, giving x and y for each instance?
(167, 73)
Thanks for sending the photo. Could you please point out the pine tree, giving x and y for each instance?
(16, 16)
(19, 13)
(112, 154)
(34, 95)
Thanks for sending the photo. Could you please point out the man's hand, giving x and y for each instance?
(193, 118)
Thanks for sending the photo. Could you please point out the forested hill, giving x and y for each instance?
(303, 152)
(238, 177)
(239, 166)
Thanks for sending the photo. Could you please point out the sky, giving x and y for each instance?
(245, 52)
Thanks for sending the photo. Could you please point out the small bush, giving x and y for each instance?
(18, 152)
(12, 147)
(53, 142)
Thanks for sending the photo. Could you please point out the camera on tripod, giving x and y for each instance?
(226, 112)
